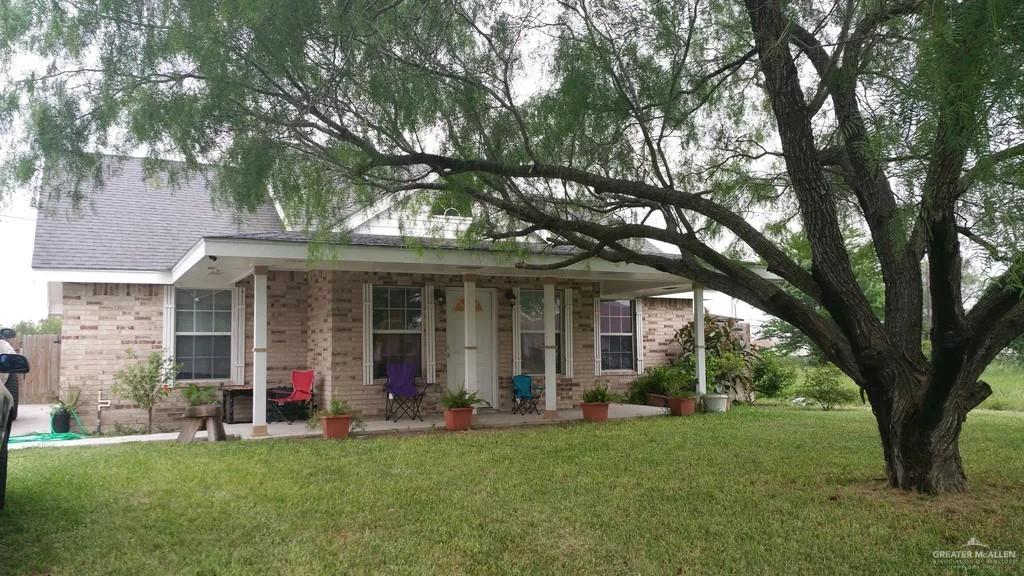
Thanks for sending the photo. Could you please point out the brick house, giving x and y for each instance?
(242, 300)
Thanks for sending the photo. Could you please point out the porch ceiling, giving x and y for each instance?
(216, 263)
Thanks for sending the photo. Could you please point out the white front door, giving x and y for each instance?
(455, 322)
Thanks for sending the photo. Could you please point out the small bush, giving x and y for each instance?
(461, 399)
(598, 394)
(771, 377)
(824, 385)
(660, 380)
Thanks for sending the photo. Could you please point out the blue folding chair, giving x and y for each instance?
(524, 395)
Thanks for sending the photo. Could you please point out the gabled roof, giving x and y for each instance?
(132, 222)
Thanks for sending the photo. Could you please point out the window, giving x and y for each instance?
(531, 331)
(397, 328)
(617, 334)
(202, 334)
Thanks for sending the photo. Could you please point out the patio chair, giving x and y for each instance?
(404, 397)
(524, 395)
(300, 396)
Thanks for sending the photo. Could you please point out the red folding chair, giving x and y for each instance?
(301, 394)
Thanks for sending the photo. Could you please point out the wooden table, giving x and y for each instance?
(229, 394)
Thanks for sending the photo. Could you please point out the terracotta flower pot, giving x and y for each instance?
(336, 426)
(682, 406)
(458, 418)
(594, 411)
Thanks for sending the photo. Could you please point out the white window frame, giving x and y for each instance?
(171, 330)
(560, 334)
(423, 371)
(633, 315)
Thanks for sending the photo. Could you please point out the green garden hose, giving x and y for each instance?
(50, 436)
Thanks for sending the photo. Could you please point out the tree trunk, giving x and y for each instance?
(149, 420)
(921, 444)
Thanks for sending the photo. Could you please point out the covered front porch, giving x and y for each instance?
(471, 319)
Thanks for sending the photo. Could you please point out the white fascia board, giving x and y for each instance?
(194, 255)
(105, 276)
(467, 259)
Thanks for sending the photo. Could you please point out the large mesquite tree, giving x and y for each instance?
(791, 133)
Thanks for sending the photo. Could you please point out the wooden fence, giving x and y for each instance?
(42, 384)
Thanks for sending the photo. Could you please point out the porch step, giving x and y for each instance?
(480, 410)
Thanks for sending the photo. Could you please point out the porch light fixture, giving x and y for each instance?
(510, 295)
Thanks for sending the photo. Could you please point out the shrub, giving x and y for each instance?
(599, 393)
(771, 377)
(461, 399)
(660, 380)
(824, 385)
(337, 408)
(199, 395)
(145, 382)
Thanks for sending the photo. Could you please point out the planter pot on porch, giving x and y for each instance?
(458, 418)
(683, 406)
(336, 426)
(594, 411)
(203, 411)
(61, 422)
(205, 416)
(715, 402)
(659, 400)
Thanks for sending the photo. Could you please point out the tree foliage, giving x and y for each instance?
(48, 325)
(728, 131)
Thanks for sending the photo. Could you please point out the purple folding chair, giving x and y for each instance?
(404, 397)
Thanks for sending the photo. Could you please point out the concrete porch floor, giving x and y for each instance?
(430, 423)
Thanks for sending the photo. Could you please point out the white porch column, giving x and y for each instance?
(698, 338)
(469, 297)
(259, 352)
(550, 352)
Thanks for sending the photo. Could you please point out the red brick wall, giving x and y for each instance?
(315, 322)
(663, 317)
(101, 323)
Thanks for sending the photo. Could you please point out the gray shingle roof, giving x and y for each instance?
(133, 222)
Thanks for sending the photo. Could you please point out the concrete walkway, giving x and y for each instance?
(495, 420)
(32, 419)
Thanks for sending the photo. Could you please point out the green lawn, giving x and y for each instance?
(767, 490)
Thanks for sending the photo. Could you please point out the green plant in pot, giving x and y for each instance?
(201, 401)
(595, 403)
(682, 400)
(64, 410)
(458, 408)
(337, 420)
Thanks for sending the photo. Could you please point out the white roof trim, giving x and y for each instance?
(468, 260)
(105, 276)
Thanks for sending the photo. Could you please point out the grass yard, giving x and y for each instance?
(1007, 381)
(769, 490)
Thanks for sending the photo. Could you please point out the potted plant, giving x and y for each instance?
(720, 371)
(64, 410)
(202, 412)
(336, 421)
(458, 408)
(201, 401)
(595, 403)
(682, 401)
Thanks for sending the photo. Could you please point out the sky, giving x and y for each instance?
(22, 291)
